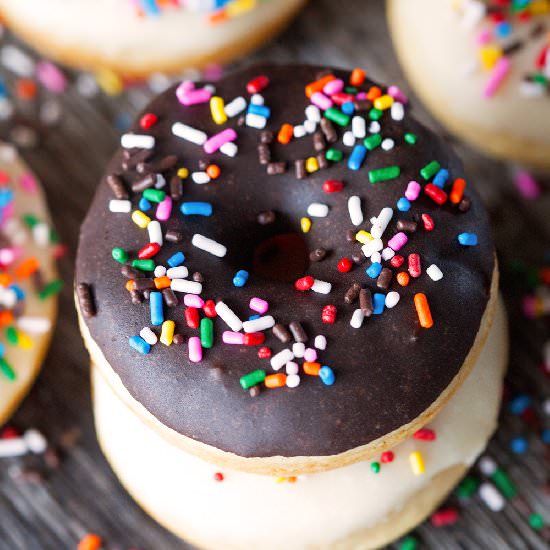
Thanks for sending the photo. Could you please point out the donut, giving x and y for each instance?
(135, 38)
(483, 69)
(28, 280)
(290, 277)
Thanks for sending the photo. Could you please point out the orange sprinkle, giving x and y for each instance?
(275, 380)
(6, 318)
(312, 368)
(218, 17)
(318, 85)
(403, 278)
(5, 279)
(357, 77)
(27, 267)
(161, 282)
(25, 88)
(213, 170)
(91, 541)
(457, 191)
(285, 133)
(423, 310)
(130, 285)
(373, 93)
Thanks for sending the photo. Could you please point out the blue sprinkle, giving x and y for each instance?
(519, 445)
(326, 375)
(176, 260)
(519, 404)
(348, 108)
(196, 209)
(19, 292)
(139, 344)
(403, 204)
(254, 317)
(260, 110)
(144, 204)
(2, 350)
(440, 179)
(150, 7)
(503, 29)
(545, 436)
(6, 196)
(374, 270)
(357, 157)
(467, 239)
(378, 302)
(123, 121)
(3, 90)
(155, 304)
(240, 278)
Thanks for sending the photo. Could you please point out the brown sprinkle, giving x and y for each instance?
(85, 300)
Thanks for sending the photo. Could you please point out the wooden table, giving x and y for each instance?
(83, 495)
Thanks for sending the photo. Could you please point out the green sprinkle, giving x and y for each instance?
(54, 236)
(467, 487)
(50, 289)
(207, 332)
(536, 521)
(144, 265)
(411, 139)
(11, 335)
(384, 174)
(375, 467)
(334, 155)
(539, 78)
(252, 379)
(351, 90)
(503, 483)
(6, 370)
(154, 195)
(120, 255)
(30, 220)
(430, 170)
(372, 142)
(338, 117)
(376, 114)
(408, 543)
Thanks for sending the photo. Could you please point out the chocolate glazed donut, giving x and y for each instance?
(388, 371)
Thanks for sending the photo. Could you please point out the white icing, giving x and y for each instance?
(180, 489)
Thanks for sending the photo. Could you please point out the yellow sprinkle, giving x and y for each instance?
(312, 165)
(183, 173)
(109, 82)
(489, 55)
(280, 479)
(539, 7)
(416, 461)
(383, 102)
(363, 236)
(305, 224)
(217, 109)
(167, 332)
(140, 219)
(24, 340)
(238, 7)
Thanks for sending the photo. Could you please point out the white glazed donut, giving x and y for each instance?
(450, 53)
(114, 34)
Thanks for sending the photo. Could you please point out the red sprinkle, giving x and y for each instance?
(254, 339)
(305, 283)
(328, 316)
(9, 433)
(387, 456)
(218, 476)
(257, 84)
(209, 308)
(333, 186)
(415, 270)
(425, 434)
(148, 120)
(192, 317)
(397, 261)
(264, 353)
(340, 98)
(344, 265)
(428, 221)
(445, 516)
(148, 251)
(435, 193)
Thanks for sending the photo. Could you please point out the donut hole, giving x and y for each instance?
(282, 257)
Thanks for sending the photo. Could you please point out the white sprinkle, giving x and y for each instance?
(372, 246)
(374, 127)
(155, 232)
(255, 121)
(13, 447)
(210, 88)
(160, 182)
(17, 61)
(491, 497)
(322, 287)
(357, 318)
(34, 325)
(299, 131)
(149, 336)
(474, 11)
(310, 126)
(120, 206)
(208, 245)
(138, 141)
(6, 109)
(387, 144)
(292, 380)
(376, 258)
(198, 137)
(320, 342)
(8, 297)
(317, 210)
(397, 111)
(313, 113)
(388, 253)
(35, 441)
(160, 270)
(392, 299)
(292, 368)
(280, 359)
(531, 89)
(487, 466)
(235, 107)
(348, 139)
(41, 234)
(86, 85)
(179, 272)
(381, 223)
(355, 211)
(359, 127)
(200, 177)
(434, 273)
(257, 325)
(257, 99)
(228, 316)
(298, 349)
(185, 286)
(229, 149)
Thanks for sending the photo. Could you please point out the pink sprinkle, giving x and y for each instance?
(527, 185)
(215, 142)
(321, 100)
(188, 95)
(8, 255)
(193, 300)
(51, 77)
(484, 37)
(259, 305)
(413, 190)
(396, 93)
(164, 209)
(28, 183)
(398, 241)
(310, 355)
(195, 349)
(229, 337)
(333, 87)
(499, 72)
(361, 95)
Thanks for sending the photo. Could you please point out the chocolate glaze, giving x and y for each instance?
(387, 372)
